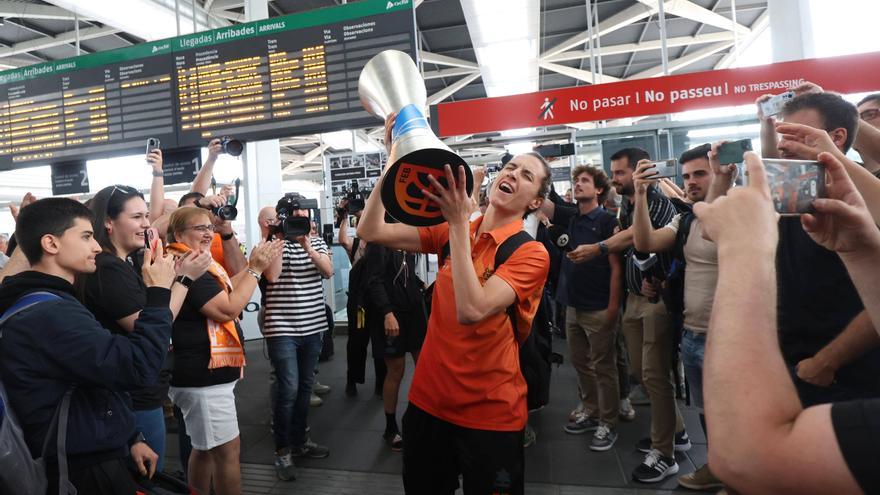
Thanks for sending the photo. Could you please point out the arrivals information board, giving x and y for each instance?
(283, 76)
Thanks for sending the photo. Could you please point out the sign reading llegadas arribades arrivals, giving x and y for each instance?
(653, 96)
(277, 77)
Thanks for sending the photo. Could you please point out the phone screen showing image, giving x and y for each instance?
(794, 184)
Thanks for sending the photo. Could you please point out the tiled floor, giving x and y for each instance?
(361, 463)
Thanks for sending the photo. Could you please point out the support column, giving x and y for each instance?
(261, 162)
(262, 159)
(791, 30)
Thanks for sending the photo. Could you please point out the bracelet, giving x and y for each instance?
(254, 273)
(158, 173)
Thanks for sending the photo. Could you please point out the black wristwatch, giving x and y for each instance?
(603, 248)
(226, 237)
(137, 438)
(184, 281)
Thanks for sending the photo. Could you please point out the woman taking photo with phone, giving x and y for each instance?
(115, 293)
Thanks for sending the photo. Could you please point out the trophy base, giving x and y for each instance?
(407, 176)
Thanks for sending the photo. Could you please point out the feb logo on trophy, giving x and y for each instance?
(390, 82)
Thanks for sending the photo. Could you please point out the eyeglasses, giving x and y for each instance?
(869, 114)
(202, 229)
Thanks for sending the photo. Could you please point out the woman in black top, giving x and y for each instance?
(209, 352)
(115, 293)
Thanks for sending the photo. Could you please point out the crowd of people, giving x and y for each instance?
(119, 305)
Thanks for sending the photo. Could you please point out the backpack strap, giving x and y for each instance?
(681, 237)
(25, 302)
(502, 254)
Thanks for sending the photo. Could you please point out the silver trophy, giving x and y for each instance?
(389, 83)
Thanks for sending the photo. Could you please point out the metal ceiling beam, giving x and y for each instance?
(574, 73)
(451, 72)
(694, 12)
(27, 25)
(226, 4)
(613, 23)
(230, 16)
(23, 10)
(643, 46)
(758, 27)
(437, 59)
(58, 40)
(305, 159)
(683, 62)
(452, 88)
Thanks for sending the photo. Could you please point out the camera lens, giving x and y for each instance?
(232, 147)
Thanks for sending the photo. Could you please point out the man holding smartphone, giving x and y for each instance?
(827, 339)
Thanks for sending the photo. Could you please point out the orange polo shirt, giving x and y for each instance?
(469, 375)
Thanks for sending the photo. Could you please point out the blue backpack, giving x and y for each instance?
(19, 473)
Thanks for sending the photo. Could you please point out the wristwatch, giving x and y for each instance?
(226, 237)
(184, 281)
(603, 248)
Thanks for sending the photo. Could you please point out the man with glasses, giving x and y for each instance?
(869, 115)
(294, 320)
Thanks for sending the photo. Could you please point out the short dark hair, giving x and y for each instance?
(834, 110)
(109, 203)
(188, 196)
(701, 151)
(46, 216)
(871, 97)
(546, 181)
(600, 179)
(632, 155)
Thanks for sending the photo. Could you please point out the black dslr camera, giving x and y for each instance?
(289, 224)
(230, 146)
(356, 198)
(228, 211)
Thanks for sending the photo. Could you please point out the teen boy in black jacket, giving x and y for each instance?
(57, 344)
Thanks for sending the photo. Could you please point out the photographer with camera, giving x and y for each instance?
(293, 322)
(360, 335)
(225, 247)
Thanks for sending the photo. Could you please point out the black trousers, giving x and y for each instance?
(110, 477)
(435, 452)
(356, 350)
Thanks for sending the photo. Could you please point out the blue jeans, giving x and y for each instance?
(151, 423)
(693, 347)
(294, 360)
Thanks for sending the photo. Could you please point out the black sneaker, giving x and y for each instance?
(655, 468)
(310, 450)
(682, 443)
(603, 439)
(581, 425)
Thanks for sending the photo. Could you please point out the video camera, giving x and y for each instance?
(289, 224)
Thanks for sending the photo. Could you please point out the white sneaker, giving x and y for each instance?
(320, 389)
(315, 401)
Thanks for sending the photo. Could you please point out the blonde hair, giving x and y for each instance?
(181, 218)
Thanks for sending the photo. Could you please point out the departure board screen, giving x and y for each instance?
(279, 77)
(87, 107)
(293, 80)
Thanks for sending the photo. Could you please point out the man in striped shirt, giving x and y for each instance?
(295, 318)
(648, 327)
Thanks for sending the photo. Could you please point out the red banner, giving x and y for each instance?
(657, 95)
